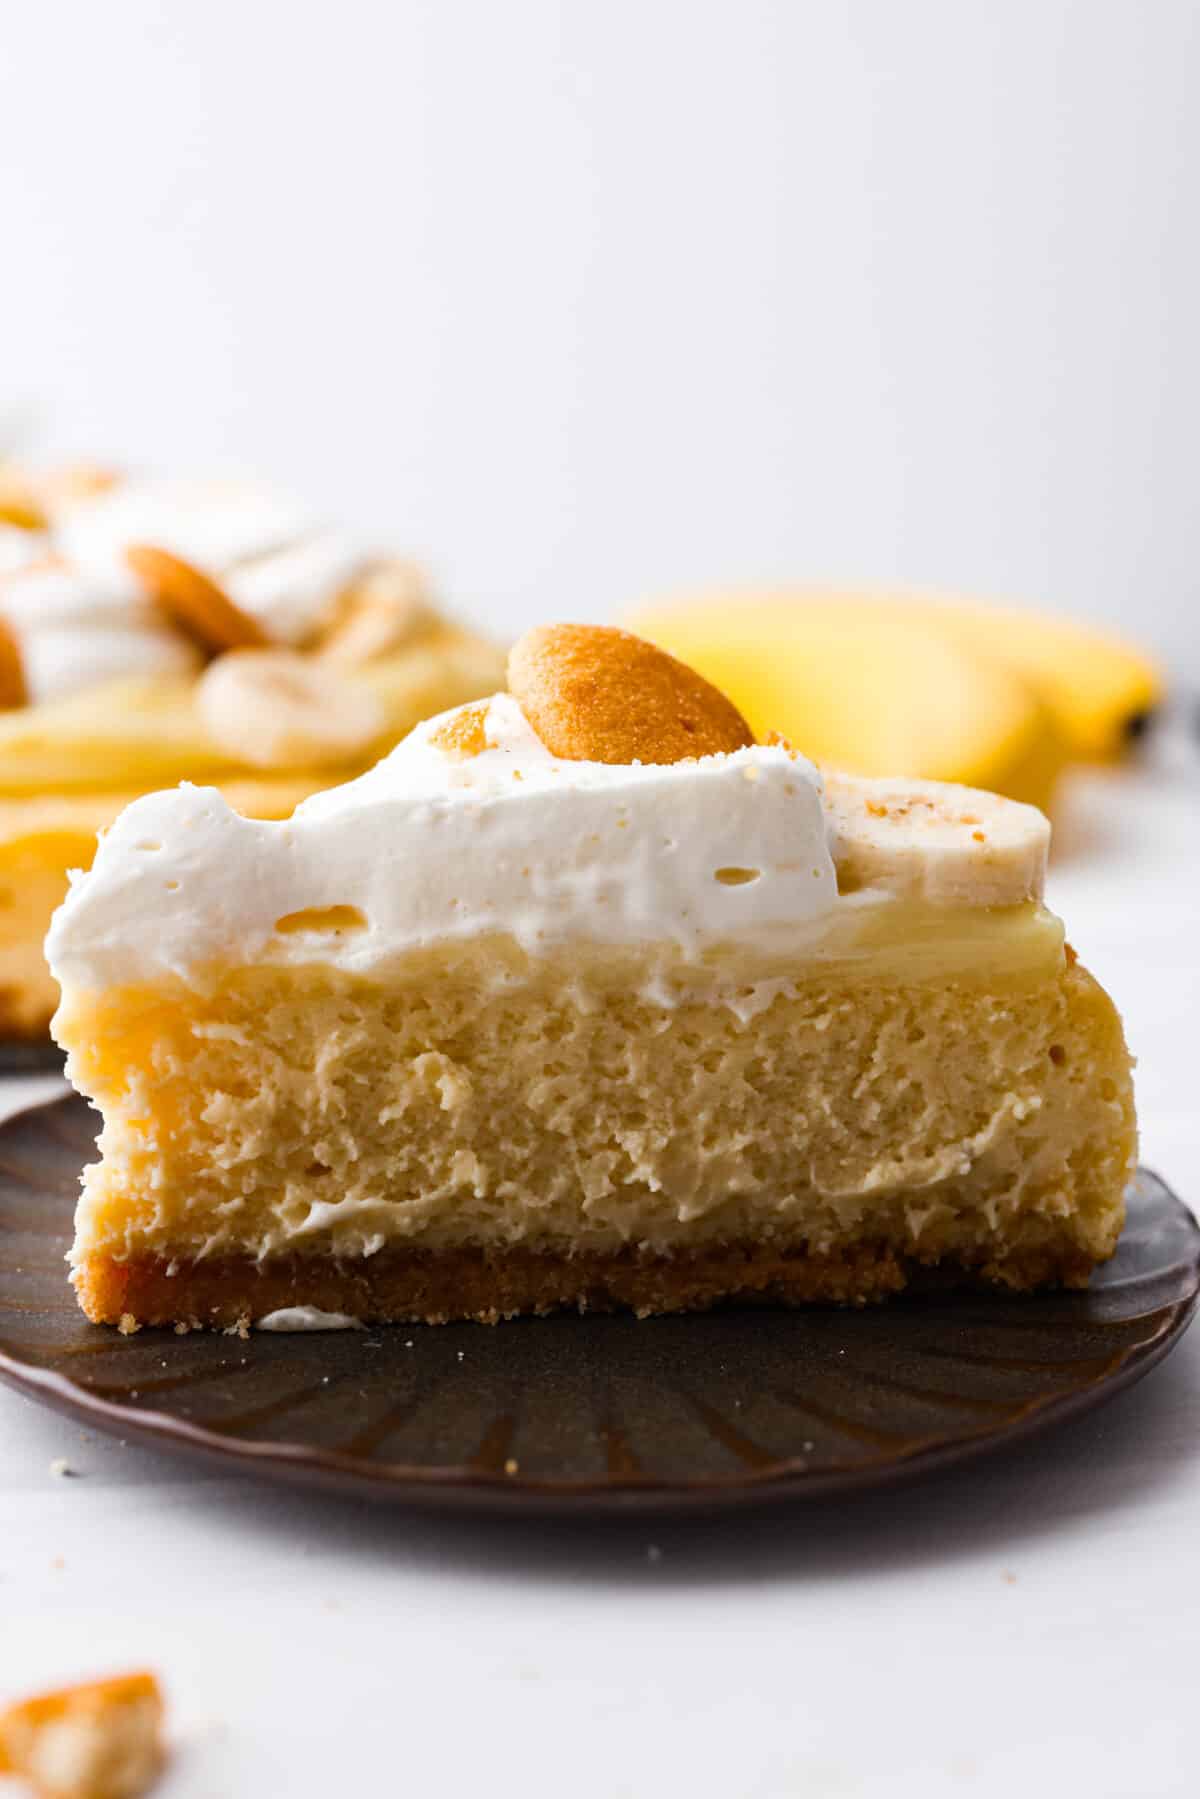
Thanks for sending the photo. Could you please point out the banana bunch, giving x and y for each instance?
(885, 684)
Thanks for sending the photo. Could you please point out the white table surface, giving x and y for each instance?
(1030, 1625)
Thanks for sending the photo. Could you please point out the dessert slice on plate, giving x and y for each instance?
(582, 997)
(155, 631)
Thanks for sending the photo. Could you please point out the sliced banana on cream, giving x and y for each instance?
(385, 609)
(931, 841)
(279, 709)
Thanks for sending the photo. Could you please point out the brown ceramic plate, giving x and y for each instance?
(38, 1056)
(583, 1415)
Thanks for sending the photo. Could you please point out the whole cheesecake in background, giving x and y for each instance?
(582, 997)
(153, 631)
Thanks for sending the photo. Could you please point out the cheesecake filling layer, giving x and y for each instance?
(314, 1114)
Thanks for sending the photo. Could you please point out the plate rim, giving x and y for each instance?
(306, 1467)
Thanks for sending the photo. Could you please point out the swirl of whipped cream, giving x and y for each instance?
(264, 549)
(74, 630)
(18, 548)
(435, 846)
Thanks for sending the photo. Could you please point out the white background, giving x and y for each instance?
(586, 301)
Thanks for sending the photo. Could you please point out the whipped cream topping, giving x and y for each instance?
(210, 523)
(19, 547)
(270, 554)
(434, 845)
(73, 630)
(291, 591)
(307, 1318)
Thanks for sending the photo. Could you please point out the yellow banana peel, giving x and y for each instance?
(885, 684)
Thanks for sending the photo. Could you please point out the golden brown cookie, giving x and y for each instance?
(594, 693)
(19, 503)
(194, 601)
(464, 733)
(12, 673)
(101, 1740)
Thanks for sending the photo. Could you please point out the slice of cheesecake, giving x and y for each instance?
(581, 997)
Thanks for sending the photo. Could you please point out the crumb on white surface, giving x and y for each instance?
(101, 1740)
(62, 1468)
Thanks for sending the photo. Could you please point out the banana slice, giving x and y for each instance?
(384, 610)
(279, 709)
(931, 841)
(194, 600)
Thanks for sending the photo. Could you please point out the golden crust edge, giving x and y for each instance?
(401, 1285)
